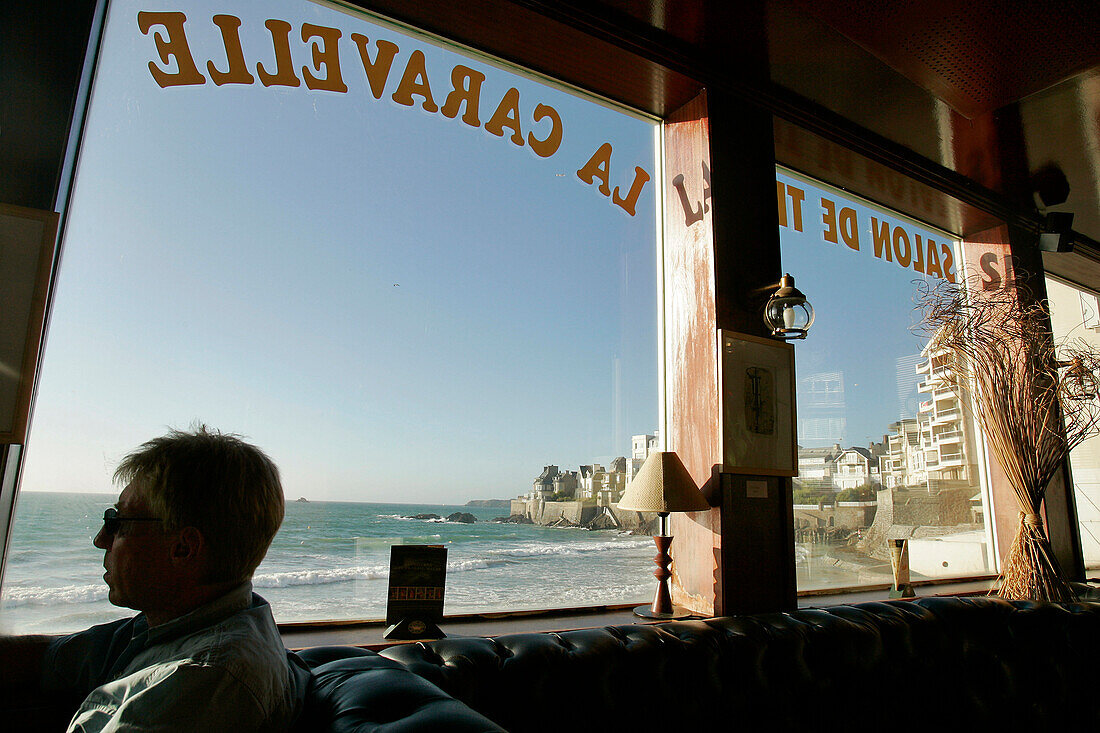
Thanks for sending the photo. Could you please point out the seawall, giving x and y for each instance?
(576, 512)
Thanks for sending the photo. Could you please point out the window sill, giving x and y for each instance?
(369, 634)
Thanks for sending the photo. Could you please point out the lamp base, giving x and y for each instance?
(676, 614)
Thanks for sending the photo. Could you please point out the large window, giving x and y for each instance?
(887, 449)
(414, 276)
(1075, 316)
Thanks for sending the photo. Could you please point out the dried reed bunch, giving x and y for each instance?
(1034, 398)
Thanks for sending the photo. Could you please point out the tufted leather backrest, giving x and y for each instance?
(356, 691)
(967, 661)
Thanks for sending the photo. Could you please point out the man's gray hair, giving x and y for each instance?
(226, 488)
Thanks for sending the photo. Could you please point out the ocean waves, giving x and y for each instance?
(291, 578)
(16, 596)
(523, 553)
(566, 549)
(332, 561)
(456, 564)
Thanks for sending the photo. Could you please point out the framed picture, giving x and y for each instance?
(27, 241)
(756, 394)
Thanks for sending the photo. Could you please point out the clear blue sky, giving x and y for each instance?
(864, 309)
(395, 305)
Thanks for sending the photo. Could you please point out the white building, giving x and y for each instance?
(640, 448)
(586, 480)
(543, 486)
(816, 465)
(903, 464)
(855, 467)
(609, 485)
(945, 438)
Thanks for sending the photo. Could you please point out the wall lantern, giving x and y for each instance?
(787, 313)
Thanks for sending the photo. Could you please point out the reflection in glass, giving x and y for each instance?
(1074, 315)
(413, 275)
(886, 450)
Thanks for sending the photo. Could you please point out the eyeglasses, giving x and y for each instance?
(112, 522)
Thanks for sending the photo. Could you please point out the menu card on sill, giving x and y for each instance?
(418, 575)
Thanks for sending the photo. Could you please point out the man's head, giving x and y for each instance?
(219, 503)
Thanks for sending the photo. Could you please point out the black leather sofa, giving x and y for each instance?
(944, 663)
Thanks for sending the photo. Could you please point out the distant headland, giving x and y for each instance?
(496, 503)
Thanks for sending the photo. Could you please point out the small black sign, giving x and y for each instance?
(418, 575)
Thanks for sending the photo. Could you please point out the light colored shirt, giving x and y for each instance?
(221, 667)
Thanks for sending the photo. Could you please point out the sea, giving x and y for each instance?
(330, 560)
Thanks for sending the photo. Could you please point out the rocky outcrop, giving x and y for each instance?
(563, 522)
(605, 520)
(423, 516)
(651, 526)
(463, 517)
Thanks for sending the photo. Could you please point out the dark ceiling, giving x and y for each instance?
(1001, 92)
(976, 56)
(985, 96)
(979, 55)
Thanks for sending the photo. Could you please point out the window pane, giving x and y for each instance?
(413, 276)
(886, 449)
(1074, 316)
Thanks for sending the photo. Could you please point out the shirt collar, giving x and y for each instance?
(218, 609)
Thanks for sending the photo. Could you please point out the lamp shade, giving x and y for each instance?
(663, 485)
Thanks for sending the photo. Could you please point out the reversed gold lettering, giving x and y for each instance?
(598, 166)
(627, 204)
(326, 58)
(781, 202)
(828, 218)
(934, 260)
(797, 196)
(549, 145)
(904, 255)
(948, 263)
(414, 82)
(507, 115)
(377, 71)
(284, 67)
(880, 233)
(234, 55)
(465, 90)
(172, 45)
(849, 228)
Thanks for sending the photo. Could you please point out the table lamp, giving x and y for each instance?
(663, 485)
